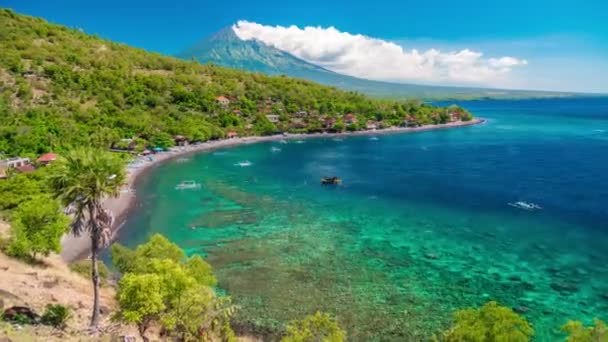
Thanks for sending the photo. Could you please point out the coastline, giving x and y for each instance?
(75, 248)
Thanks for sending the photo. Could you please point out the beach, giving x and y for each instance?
(78, 247)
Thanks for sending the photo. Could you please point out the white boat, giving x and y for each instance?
(374, 138)
(299, 141)
(243, 163)
(525, 205)
(275, 149)
(283, 141)
(186, 185)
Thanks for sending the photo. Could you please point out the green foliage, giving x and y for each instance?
(140, 297)
(85, 83)
(83, 268)
(37, 227)
(56, 315)
(319, 327)
(183, 303)
(81, 179)
(577, 332)
(490, 323)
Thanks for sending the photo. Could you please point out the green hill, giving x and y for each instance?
(226, 49)
(61, 88)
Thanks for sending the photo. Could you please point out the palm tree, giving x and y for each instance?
(81, 180)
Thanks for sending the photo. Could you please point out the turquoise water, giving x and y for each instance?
(420, 227)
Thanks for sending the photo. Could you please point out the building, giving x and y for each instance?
(300, 114)
(454, 116)
(14, 162)
(349, 119)
(3, 171)
(232, 134)
(180, 140)
(223, 100)
(27, 168)
(330, 123)
(409, 121)
(47, 158)
(274, 118)
(371, 125)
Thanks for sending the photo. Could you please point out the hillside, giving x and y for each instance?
(61, 87)
(226, 49)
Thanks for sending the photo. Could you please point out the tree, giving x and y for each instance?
(314, 328)
(81, 180)
(141, 300)
(577, 332)
(37, 227)
(490, 323)
(190, 310)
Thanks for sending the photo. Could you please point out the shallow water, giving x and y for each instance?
(420, 227)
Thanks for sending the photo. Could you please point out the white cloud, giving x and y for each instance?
(366, 57)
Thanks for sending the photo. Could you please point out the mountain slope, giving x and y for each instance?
(60, 88)
(226, 49)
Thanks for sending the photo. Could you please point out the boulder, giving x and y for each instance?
(17, 313)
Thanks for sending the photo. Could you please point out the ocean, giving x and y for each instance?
(422, 225)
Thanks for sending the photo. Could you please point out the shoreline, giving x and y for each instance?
(74, 248)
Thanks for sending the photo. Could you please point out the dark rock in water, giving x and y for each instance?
(521, 309)
(431, 256)
(515, 278)
(17, 313)
(564, 287)
(604, 296)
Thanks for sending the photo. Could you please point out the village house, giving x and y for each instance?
(274, 118)
(232, 134)
(330, 123)
(300, 114)
(409, 121)
(180, 140)
(18, 164)
(454, 116)
(47, 158)
(372, 125)
(223, 100)
(349, 119)
(297, 123)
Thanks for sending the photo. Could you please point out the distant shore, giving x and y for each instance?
(75, 248)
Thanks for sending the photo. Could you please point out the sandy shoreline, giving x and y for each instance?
(75, 248)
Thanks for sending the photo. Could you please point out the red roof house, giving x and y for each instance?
(223, 100)
(47, 158)
(350, 118)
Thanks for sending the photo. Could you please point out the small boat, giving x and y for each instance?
(283, 141)
(275, 149)
(243, 163)
(299, 141)
(525, 205)
(374, 138)
(331, 180)
(186, 185)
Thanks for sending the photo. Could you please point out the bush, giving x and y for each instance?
(313, 328)
(83, 268)
(491, 322)
(577, 332)
(37, 227)
(56, 315)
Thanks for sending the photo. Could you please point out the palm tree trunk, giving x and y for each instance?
(94, 270)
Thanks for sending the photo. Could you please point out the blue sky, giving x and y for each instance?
(564, 43)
